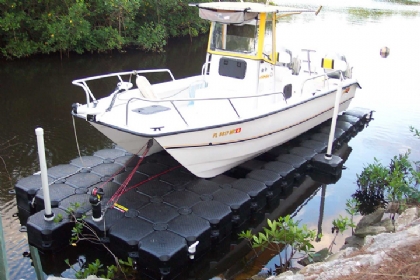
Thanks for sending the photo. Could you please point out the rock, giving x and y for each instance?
(406, 218)
(341, 254)
(284, 274)
(353, 242)
(392, 207)
(288, 275)
(261, 276)
(90, 277)
(319, 256)
(369, 230)
(371, 219)
(343, 266)
(388, 224)
(375, 250)
(388, 241)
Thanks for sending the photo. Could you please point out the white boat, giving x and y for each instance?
(252, 94)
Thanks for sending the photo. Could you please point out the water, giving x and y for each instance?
(38, 92)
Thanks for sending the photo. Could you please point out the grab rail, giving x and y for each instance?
(204, 68)
(321, 75)
(82, 82)
(172, 101)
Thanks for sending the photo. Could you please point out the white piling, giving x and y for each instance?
(49, 215)
(328, 155)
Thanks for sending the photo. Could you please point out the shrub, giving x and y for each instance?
(282, 235)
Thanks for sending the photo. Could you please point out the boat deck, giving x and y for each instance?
(213, 105)
(165, 208)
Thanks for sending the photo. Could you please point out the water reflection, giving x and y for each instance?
(38, 92)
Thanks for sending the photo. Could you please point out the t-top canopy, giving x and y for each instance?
(226, 16)
(239, 12)
(249, 7)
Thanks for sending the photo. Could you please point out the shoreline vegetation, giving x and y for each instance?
(34, 27)
(380, 247)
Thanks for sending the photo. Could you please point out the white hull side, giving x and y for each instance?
(130, 142)
(194, 152)
(212, 151)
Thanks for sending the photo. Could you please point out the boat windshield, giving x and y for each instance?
(235, 38)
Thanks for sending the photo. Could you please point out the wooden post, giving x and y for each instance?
(37, 262)
(4, 270)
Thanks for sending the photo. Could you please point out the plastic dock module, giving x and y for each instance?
(155, 212)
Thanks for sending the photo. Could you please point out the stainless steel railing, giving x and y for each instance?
(89, 95)
(325, 75)
(172, 101)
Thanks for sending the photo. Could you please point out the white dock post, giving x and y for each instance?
(49, 215)
(328, 155)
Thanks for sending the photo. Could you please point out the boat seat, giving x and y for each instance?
(284, 58)
(331, 63)
(146, 90)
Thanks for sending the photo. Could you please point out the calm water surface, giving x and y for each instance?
(38, 92)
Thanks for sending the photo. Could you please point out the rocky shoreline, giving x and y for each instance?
(375, 236)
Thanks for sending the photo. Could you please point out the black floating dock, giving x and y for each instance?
(165, 208)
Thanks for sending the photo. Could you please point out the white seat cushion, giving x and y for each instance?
(145, 88)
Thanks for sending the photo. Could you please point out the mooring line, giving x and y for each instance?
(152, 177)
(123, 167)
(77, 141)
(114, 199)
(123, 186)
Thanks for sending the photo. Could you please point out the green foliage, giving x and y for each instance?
(280, 235)
(126, 266)
(95, 268)
(73, 208)
(82, 231)
(58, 218)
(152, 37)
(341, 224)
(77, 231)
(379, 184)
(415, 131)
(370, 193)
(352, 207)
(79, 223)
(33, 26)
(106, 38)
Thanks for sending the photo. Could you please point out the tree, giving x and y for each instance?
(32, 26)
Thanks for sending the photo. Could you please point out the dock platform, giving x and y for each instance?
(164, 208)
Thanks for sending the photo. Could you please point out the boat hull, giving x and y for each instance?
(210, 152)
(207, 152)
(132, 143)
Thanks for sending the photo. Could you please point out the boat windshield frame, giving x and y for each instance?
(236, 38)
(256, 43)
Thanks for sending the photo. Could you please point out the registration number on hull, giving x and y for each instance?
(227, 132)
